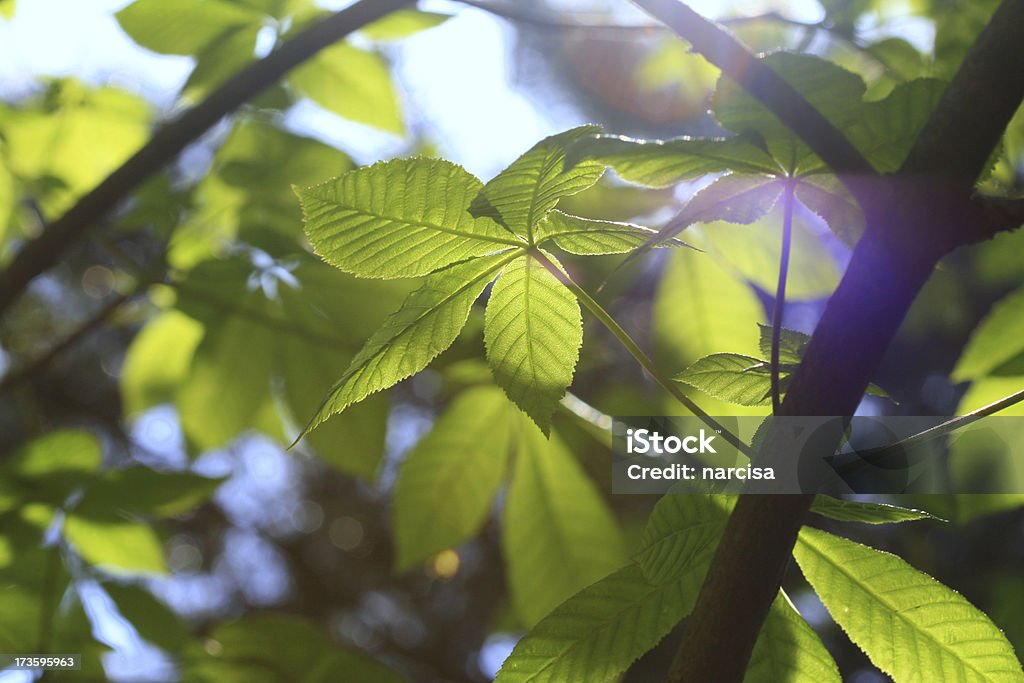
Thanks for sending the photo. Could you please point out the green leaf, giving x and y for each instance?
(184, 27)
(426, 324)
(589, 237)
(74, 140)
(158, 360)
(229, 381)
(701, 308)
(911, 626)
(827, 197)
(277, 647)
(7, 9)
(865, 512)
(221, 59)
(998, 338)
(681, 535)
(74, 452)
(755, 251)
(792, 344)
(733, 198)
(399, 218)
(530, 186)
(446, 486)
(105, 538)
(153, 620)
(598, 633)
(730, 377)
(832, 90)
(533, 330)
(403, 23)
(142, 491)
(556, 527)
(661, 163)
(789, 650)
(354, 84)
(887, 129)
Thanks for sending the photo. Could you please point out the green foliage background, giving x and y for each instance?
(440, 352)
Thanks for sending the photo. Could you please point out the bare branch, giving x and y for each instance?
(45, 251)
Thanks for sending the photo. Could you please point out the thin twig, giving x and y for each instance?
(169, 140)
(780, 294)
(37, 366)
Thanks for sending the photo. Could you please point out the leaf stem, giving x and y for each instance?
(780, 293)
(952, 424)
(645, 361)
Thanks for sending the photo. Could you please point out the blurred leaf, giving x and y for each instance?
(184, 27)
(228, 382)
(74, 140)
(865, 512)
(988, 390)
(730, 377)
(142, 491)
(391, 219)
(7, 8)
(660, 163)
(998, 338)
(281, 648)
(880, 600)
(153, 620)
(530, 186)
(158, 360)
(352, 83)
(787, 649)
(556, 526)
(755, 251)
(589, 237)
(222, 58)
(701, 308)
(447, 484)
(900, 58)
(63, 451)
(427, 324)
(107, 539)
(403, 23)
(533, 331)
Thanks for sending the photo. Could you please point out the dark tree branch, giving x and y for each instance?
(46, 250)
(780, 295)
(998, 214)
(912, 222)
(38, 365)
(757, 78)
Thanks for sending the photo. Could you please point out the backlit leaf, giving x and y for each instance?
(447, 484)
(426, 324)
(589, 237)
(730, 377)
(556, 527)
(533, 330)
(184, 27)
(997, 339)
(531, 185)
(402, 23)
(865, 512)
(400, 218)
(788, 649)
(911, 626)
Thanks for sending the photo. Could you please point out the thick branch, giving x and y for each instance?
(45, 251)
(998, 214)
(757, 78)
(911, 225)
